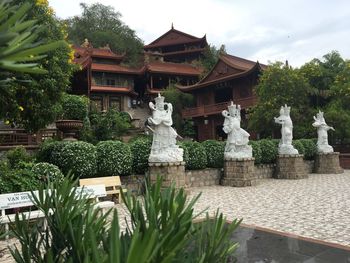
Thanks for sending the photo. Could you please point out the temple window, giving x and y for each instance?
(115, 103)
(96, 103)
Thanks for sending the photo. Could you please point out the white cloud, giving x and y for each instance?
(296, 30)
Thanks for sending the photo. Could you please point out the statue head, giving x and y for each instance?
(234, 110)
(284, 117)
(319, 119)
(159, 102)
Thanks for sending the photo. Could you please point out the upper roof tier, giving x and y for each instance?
(175, 37)
(173, 68)
(228, 67)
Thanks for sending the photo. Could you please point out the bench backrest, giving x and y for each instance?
(112, 183)
(23, 199)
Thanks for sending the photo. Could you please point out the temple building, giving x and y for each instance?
(170, 59)
(232, 78)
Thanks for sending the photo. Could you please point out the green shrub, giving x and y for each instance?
(44, 153)
(74, 107)
(17, 180)
(310, 148)
(141, 149)
(195, 157)
(17, 155)
(257, 154)
(113, 158)
(299, 146)
(79, 158)
(269, 151)
(47, 172)
(214, 151)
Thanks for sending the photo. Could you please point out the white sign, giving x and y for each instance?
(23, 199)
(14, 200)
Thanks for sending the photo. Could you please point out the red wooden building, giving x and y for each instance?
(232, 78)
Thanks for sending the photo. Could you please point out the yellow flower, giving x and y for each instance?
(21, 108)
(7, 122)
(50, 11)
(42, 2)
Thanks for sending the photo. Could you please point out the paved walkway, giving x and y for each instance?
(317, 207)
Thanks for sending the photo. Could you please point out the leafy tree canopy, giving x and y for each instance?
(280, 84)
(102, 25)
(31, 101)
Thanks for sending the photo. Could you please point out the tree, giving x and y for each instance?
(280, 84)
(32, 102)
(102, 25)
(211, 56)
(179, 100)
(321, 75)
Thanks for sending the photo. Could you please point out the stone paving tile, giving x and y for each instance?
(316, 207)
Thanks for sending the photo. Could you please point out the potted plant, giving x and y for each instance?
(74, 110)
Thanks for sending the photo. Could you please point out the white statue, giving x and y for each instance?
(164, 148)
(322, 133)
(285, 145)
(237, 138)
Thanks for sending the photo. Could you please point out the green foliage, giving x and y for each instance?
(257, 153)
(113, 158)
(17, 179)
(16, 156)
(19, 43)
(280, 84)
(74, 107)
(102, 25)
(108, 126)
(310, 148)
(299, 146)
(211, 56)
(179, 100)
(79, 158)
(44, 153)
(194, 156)
(269, 151)
(141, 149)
(31, 100)
(188, 129)
(214, 151)
(161, 230)
(47, 172)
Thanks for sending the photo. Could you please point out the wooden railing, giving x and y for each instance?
(205, 110)
(13, 137)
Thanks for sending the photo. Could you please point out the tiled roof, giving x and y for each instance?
(172, 68)
(97, 52)
(238, 62)
(173, 37)
(115, 69)
(124, 90)
(220, 79)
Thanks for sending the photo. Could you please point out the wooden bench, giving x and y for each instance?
(112, 183)
(23, 199)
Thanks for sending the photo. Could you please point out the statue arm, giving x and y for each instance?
(152, 106)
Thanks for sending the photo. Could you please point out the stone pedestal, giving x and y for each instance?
(290, 167)
(239, 172)
(170, 172)
(328, 163)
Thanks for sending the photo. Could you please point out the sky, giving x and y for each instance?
(259, 30)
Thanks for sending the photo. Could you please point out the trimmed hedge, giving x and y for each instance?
(113, 158)
(269, 151)
(257, 153)
(194, 155)
(141, 149)
(17, 155)
(214, 151)
(310, 148)
(299, 146)
(79, 158)
(47, 172)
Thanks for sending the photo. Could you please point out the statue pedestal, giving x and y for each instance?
(328, 163)
(290, 166)
(239, 172)
(173, 172)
